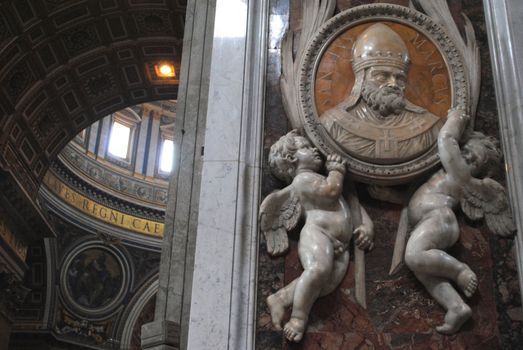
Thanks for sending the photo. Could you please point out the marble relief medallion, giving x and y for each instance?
(428, 80)
(354, 55)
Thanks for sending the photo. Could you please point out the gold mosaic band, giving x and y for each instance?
(101, 212)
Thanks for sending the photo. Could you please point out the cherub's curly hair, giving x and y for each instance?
(492, 151)
(281, 156)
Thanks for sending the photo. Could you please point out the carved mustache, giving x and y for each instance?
(387, 90)
(386, 100)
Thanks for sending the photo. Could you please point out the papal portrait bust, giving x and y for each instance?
(375, 122)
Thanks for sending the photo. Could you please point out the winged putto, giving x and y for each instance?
(464, 181)
(325, 235)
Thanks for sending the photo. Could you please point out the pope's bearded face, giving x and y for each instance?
(383, 90)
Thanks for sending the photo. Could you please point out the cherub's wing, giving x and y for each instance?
(279, 213)
(487, 198)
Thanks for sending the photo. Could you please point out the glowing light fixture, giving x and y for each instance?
(165, 70)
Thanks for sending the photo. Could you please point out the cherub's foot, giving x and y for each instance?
(294, 329)
(277, 309)
(467, 281)
(454, 319)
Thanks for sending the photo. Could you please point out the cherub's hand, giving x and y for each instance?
(364, 237)
(335, 162)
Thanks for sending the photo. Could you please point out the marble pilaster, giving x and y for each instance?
(142, 137)
(161, 335)
(104, 135)
(504, 20)
(153, 147)
(223, 297)
(175, 279)
(93, 137)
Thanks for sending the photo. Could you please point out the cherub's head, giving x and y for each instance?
(290, 153)
(482, 154)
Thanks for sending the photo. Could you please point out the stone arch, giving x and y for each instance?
(66, 64)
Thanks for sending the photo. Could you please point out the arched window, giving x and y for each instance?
(122, 134)
(165, 160)
(119, 140)
(166, 156)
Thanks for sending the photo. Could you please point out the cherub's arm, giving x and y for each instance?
(448, 146)
(332, 186)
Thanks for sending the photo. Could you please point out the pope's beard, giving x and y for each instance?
(385, 100)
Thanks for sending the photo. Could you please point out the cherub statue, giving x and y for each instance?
(325, 236)
(465, 181)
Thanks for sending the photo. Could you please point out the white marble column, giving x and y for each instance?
(168, 331)
(207, 288)
(223, 299)
(504, 19)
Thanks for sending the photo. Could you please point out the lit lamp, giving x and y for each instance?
(165, 70)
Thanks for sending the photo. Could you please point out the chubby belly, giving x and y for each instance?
(423, 203)
(335, 224)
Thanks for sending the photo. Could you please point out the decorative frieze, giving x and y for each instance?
(101, 212)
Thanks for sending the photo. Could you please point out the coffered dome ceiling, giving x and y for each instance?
(65, 64)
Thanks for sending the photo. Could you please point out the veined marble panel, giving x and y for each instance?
(226, 245)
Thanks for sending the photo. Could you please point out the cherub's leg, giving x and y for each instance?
(339, 270)
(316, 256)
(283, 298)
(279, 301)
(438, 230)
(457, 311)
